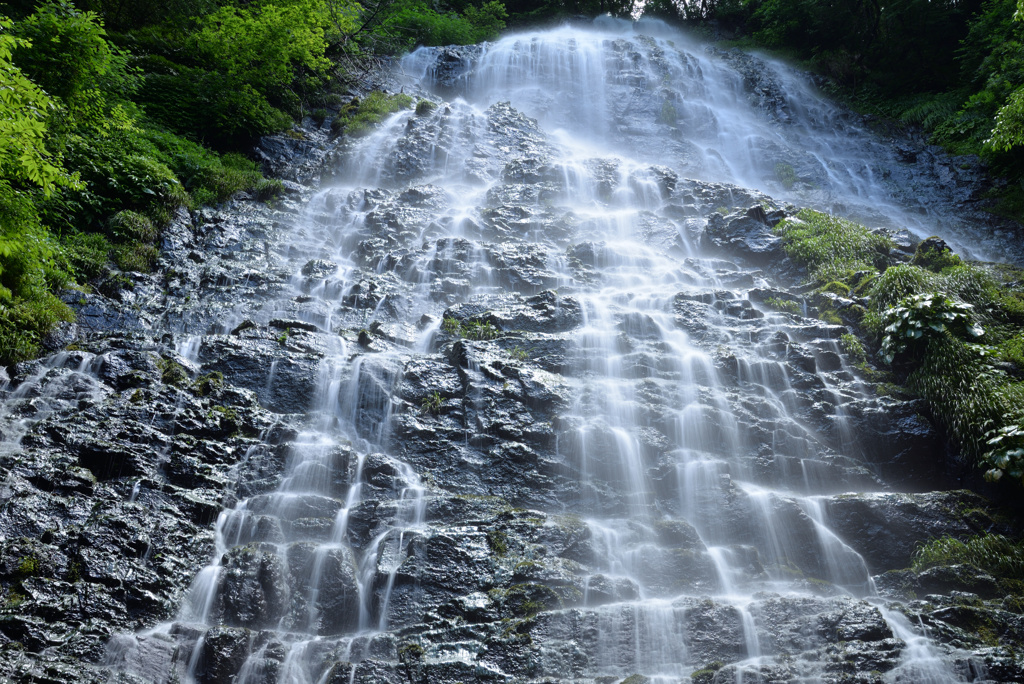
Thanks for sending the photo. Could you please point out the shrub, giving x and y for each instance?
(921, 316)
(898, 282)
(130, 225)
(87, 255)
(832, 248)
(992, 553)
(136, 256)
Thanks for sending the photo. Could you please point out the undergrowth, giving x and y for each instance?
(951, 331)
(992, 553)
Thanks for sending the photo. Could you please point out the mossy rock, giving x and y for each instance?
(935, 255)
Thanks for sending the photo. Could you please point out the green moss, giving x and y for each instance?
(636, 679)
(28, 566)
(526, 600)
(829, 316)
(410, 651)
(362, 115)
(498, 542)
(424, 107)
(832, 248)
(209, 383)
(173, 373)
(837, 288)
(706, 674)
(14, 599)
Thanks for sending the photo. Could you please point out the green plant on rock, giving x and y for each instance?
(898, 282)
(786, 175)
(909, 325)
(209, 383)
(785, 305)
(1006, 451)
(470, 330)
(452, 326)
(498, 542)
(28, 566)
(425, 107)
(432, 403)
(992, 553)
(479, 330)
(518, 353)
(853, 347)
(172, 373)
(832, 248)
(934, 255)
(361, 116)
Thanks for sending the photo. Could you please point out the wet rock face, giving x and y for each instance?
(449, 433)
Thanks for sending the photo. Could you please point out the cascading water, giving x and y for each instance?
(560, 437)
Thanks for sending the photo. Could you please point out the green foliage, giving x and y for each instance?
(897, 283)
(920, 317)
(786, 305)
(991, 553)
(24, 108)
(470, 330)
(786, 175)
(418, 23)
(964, 391)
(1005, 452)
(832, 248)
(935, 256)
(853, 347)
(361, 116)
(68, 56)
(136, 256)
(172, 373)
(127, 225)
(432, 403)
(87, 255)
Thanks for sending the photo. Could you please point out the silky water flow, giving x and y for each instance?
(691, 457)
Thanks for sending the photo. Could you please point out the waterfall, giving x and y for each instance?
(554, 434)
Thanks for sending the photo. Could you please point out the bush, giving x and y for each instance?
(87, 255)
(136, 256)
(921, 317)
(832, 248)
(898, 282)
(991, 553)
(127, 225)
